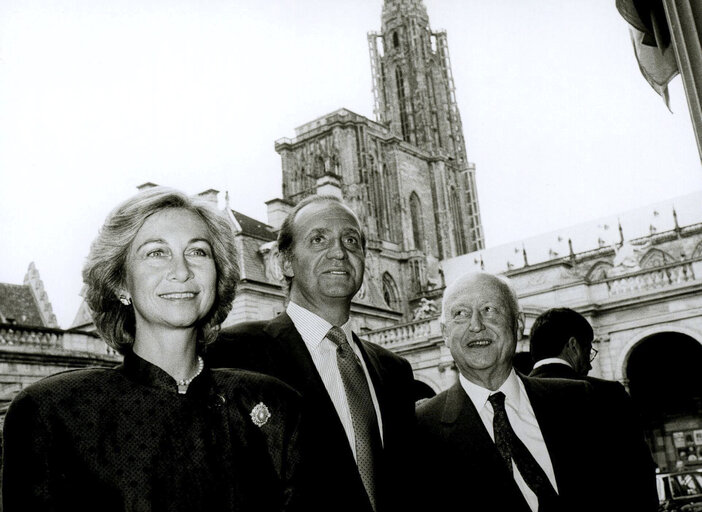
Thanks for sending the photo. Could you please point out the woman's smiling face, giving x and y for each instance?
(170, 271)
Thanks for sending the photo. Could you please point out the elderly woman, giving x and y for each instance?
(160, 432)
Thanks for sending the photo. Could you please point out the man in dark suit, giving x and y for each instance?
(358, 405)
(497, 440)
(561, 347)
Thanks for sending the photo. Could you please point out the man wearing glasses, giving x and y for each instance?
(561, 348)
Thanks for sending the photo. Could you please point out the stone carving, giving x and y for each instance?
(426, 309)
(627, 257)
(271, 262)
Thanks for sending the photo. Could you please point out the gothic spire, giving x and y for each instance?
(395, 9)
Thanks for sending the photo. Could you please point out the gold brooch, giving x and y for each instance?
(260, 414)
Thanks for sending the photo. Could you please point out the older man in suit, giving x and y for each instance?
(561, 347)
(358, 406)
(497, 440)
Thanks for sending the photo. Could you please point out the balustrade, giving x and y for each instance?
(651, 279)
(420, 330)
(20, 335)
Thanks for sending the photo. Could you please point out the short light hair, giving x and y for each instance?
(504, 282)
(286, 240)
(104, 273)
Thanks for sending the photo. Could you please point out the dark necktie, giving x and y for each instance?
(363, 418)
(511, 448)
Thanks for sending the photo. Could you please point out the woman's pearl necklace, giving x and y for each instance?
(184, 383)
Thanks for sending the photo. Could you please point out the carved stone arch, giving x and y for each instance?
(697, 253)
(391, 293)
(655, 258)
(623, 358)
(599, 271)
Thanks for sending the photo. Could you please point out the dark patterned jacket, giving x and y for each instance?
(123, 439)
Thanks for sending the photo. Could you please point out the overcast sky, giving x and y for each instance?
(97, 97)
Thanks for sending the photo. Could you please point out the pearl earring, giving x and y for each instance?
(125, 300)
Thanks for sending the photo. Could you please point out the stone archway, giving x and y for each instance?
(663, 372)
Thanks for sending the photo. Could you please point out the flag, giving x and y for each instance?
(650, 37)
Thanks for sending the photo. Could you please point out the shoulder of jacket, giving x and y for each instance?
(253, 381)
(65, 381)
(244, 328)
(429, 407)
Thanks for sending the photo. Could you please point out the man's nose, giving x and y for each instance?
(476, 323)
(337, 250)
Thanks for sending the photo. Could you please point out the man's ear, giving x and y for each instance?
(443, 333)
(573, 345)
(286, 265)
(520, 325)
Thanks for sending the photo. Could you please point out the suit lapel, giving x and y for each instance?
(476, 452)
(466, 432)
(300, 372)
(296, 362)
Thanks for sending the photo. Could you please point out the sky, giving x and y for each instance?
(100, 96)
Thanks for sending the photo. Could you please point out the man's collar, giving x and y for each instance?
(552, 360)
(311, 326)
(479, 395)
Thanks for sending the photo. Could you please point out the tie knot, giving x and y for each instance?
(337, 336)
(497, 400)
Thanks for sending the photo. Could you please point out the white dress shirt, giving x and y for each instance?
(521, 417)
(313, 330)
(552, 360)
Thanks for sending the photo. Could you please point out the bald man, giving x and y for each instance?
(498, 440)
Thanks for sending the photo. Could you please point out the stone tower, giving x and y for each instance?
(415, 97)
(406, 174)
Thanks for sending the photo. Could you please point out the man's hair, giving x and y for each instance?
(286, 240)
(553, 328)
(104, 272)
(502, 281)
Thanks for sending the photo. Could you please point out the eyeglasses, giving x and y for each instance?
(593, 354)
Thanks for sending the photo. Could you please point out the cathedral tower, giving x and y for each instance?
(415, 97)
(406, 174)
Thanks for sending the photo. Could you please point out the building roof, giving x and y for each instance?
(18, 305)
(253, 227)
(600, 233)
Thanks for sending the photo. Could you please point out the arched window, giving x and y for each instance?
(395, 40)
(697, 253)
(655, 258)
(417, 221)
(599, 271)
(404, 117)
(379, 190)
(390, 292)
